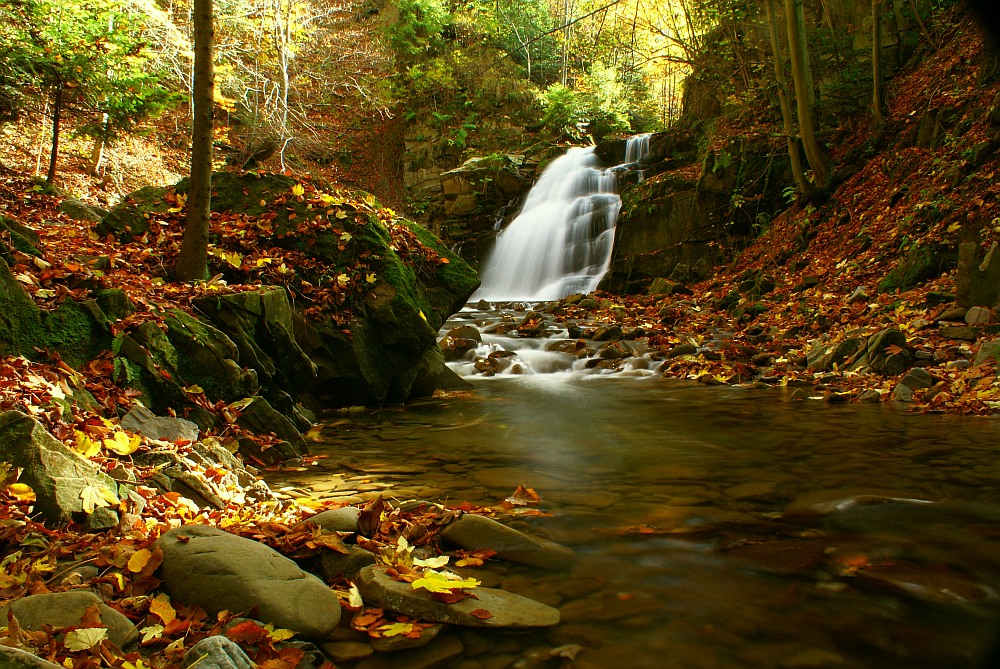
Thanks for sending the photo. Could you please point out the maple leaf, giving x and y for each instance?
(97, 496)
(85, 639)
(84, 445)
(151, 632)
(433, 563)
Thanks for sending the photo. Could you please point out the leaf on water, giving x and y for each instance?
(85, 639)
(161, 607)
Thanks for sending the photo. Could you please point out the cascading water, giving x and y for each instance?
(561, 241)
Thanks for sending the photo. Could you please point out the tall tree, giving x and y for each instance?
(805, 99)
(794, 156)
(192, 262)
(878, 98)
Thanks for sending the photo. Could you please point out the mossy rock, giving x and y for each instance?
(920, 264)
(17, 238)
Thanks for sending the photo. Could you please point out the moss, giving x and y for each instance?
(920, 264)
(17, 238)
(77, 330)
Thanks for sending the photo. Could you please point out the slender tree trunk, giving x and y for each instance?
(819, 163)
(192, 262)
(57, 102)
(798, 172)
(97, 153)
(877, 94)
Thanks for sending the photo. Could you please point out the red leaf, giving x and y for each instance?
(482, 614)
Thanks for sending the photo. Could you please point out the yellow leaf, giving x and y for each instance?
(422, 315)
(97, 496)
(123, 444)
(395, 629)
(134, 665)
(84, 445)
(160, 606)
(298, 189)
(194, 390)
(278, 634)
(345, 237)
(434, 581)
(85, 639)
(343, 279)
(138, 561)
(954, 226)
(370, 277)
(151, 632)
(21, 492)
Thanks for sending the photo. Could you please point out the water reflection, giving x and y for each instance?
(706, 520)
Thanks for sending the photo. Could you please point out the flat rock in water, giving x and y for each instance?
(390, 644)
(347, 651)
(492, 608)
(473, 532)
(217, 571)
(217, 652)
(924, 582)
(67, 609)
(785, 557)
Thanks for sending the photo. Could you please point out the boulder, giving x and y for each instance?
(504, 609)
(338, 565)
(79, 210)
(344, 519)
(141, 420)
(67, 609)
(920, 264)
(207, 567)
(59, 476)
(823, 356)
(474, 532)
(885, 352)
(217, 652)
(15, 658)
(988, 350)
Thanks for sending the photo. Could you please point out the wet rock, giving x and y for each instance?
(608, 333)
(860, 294)
(141, 420)
(67, 609)
(679, 350)
(210, 568)
(924, 582)
(917, 378)
(262, 418)
(902, 393)
(822, 357)
(473, 532)
(57, 474)
(505, 609)
(785, 557)
(216, 652)
(989, 350)
(589, 303)
(532, 325)
(615, 350)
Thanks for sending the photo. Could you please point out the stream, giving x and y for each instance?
(713, 526)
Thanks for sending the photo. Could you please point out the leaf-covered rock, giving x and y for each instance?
(68, 609)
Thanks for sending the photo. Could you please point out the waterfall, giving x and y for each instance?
(561, 241)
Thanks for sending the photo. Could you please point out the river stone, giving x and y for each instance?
(876, 357)
(67, 609)
(473, 532)
(57, 474)
(344, 519)
(989, 350)
(390, 644)
(217, 652)
(15, 658)
(218, 571)
(336, 565)
(922, 582)
(347, 651)
(507, 609)
(141, 420)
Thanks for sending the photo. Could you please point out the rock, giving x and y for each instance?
(67, 609)
(260, 417)
(505, 609)
(870, 397)
(15, 658)
(141, 420)
(977, 283)
(917, 378)
(955, 313)
(822, 357)
(920, 264)
(217, 652)
(79, 210)
(344, 519)
(801, 558)
(347, 651)
(57, 474)
(679, 350)
(336, 565)
(615, 350)
(608, 333)
(390, 644)
(589, 304)
(885, 352)
(963, 332)
(924, 583)
(979, 316)
(473, 532)
(988, 350)
(902, 393)
(860, 294)
(207, 567)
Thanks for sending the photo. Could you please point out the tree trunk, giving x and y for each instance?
(57, 99)
(192, 261)
(877, 95)
(97, 153)
(819, 163)
(798, 173)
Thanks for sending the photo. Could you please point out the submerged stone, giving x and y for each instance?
(473, 532)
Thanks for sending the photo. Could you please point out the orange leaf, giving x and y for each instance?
(160, 606)
(482, 614)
